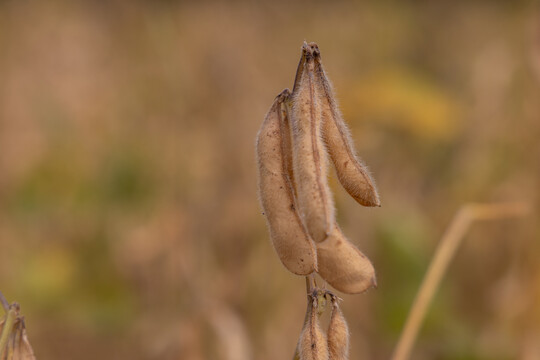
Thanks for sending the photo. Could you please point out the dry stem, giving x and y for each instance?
(443, 255)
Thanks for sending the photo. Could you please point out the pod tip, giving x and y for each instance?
(311, 49)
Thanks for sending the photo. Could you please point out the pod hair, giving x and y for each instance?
(338, 333)
(351, 172)
(310, 164)
(312, 344)
(343, 266)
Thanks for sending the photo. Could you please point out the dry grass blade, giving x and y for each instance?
(230, 331)
(439, 264)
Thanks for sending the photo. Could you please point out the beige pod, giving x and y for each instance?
(312, 344)
(289, 237)
(343, 266)
(352, 173)
(338, 333)
(310, 164)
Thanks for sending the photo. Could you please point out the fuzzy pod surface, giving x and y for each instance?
(338, 333)
(351, 172)
(289, 237)
(312, 344)
(343, 266)
(310, 164)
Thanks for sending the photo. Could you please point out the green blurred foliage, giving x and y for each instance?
(129, 221)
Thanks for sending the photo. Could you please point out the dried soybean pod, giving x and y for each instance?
(289, 236)
(351, 172)
(312, 344)
(310, 165)
(338, 333)
(343, 266)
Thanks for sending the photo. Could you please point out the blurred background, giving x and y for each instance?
(129, 221)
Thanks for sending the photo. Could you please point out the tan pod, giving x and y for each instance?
(343, 266)
(351, 172)
(338, 333)
(312, 344)
(310, 165)
(289, 237)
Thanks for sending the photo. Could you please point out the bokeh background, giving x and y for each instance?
(129, 221)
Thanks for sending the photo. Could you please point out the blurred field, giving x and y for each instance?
(129, 221)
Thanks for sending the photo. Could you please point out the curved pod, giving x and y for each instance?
(343, 266)
(351, 172)
(289, 237)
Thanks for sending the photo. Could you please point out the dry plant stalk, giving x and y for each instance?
(14, 344)
(301, 131)
(440, 262)
(292, 150)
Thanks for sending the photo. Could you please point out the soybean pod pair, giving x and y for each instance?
(313, 343)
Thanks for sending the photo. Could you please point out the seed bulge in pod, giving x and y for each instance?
(310, 164)
(343, 266)
(287, 232)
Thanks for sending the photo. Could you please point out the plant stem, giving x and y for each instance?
(439, 265)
